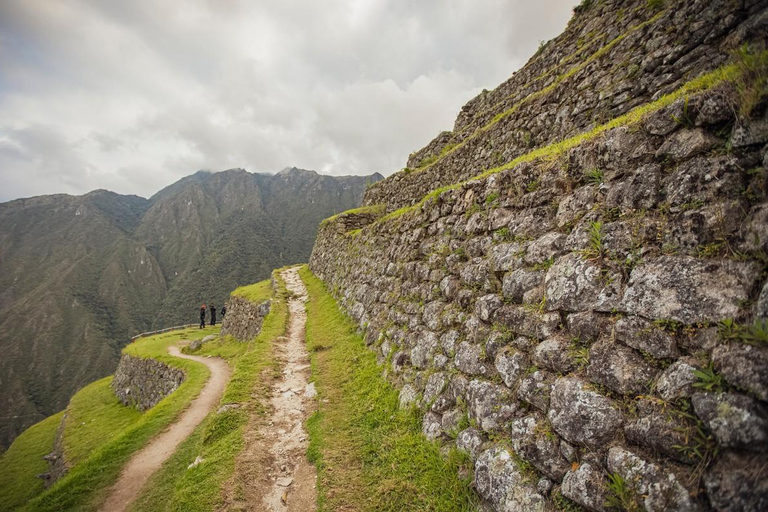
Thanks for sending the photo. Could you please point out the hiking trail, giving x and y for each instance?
(149, 459)
(272, 471)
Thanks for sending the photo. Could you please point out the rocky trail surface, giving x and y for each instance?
(273, 472)
(148, 460)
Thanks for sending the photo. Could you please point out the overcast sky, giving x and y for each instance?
(133, 95)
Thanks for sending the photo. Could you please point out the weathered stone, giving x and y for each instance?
(677, 380)
(525, 322)
(432, 426)
(754, 231)
(704, 179)
(573, 283)
(532, 440)
(142, 383)
(498, 480)
(761, 307)
(619, 368)
(451, 421)
(658, 490)
(573, 206)
(553, 354)
(688, 289)
(471, 359)
(749, 132)
(736, 483)
(244, 318)
(470, 441)
(545, 248)
(744, 366)
(515, 284)
(535, 388)
(581, 415)
(436, 383)
(486, 306)
(408, 396)
(645, 336)
(661, 431)
(426, 344)
(685, 144)
(490, 405)
(569, 452)
(511, 365)
(505, 257)
(450, 287)
(431, 315)
(588, 325)
(640, 190)
(586, 486)
(737, 421)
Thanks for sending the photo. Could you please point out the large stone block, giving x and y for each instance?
(582, 415)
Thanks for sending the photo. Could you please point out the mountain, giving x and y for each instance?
(79, 275)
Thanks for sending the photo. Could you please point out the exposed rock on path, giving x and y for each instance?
(149, 459)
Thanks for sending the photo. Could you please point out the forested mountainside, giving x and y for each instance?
(79, 275)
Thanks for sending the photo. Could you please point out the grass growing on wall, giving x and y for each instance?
(219, 438)
(88, 482)
(23, 461)
(369, 454)
(257, 293)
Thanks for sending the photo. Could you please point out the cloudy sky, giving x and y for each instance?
(133, 95)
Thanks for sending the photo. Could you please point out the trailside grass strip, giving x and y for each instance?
(219, 438)
(87, 484)
(23, 461)
(370, 455)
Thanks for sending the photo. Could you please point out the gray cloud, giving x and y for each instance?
(131, 96)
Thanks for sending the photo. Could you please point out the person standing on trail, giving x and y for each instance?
(223, 311)
(213, 314)
(202, 316)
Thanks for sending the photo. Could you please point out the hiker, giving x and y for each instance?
(223, 311)
(202, 316)
(213, 314)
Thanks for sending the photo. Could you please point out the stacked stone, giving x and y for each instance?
(564, 311)
(142, 383)
(244, 318)
(578, 81)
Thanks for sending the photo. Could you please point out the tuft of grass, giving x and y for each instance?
(752, 81)
(596, 247)
(708, 380)
(219, 438)
(375, 209)
(594, 176)
(23, 461)
(655, 5)
(370, 455)
(620, 496)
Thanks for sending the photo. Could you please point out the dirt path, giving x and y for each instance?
(272, 472)
(149, 459)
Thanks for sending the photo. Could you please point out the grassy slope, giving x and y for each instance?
(85, 485)
(370, 455)
(24, 460)
(257, 292)
(219, 438)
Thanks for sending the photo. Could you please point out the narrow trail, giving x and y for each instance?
(149, 459)
(272, 471)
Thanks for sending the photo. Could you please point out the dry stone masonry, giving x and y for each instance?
(142, 383)
(244, 318)
(591, 327)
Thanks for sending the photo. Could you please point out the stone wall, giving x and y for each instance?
(562, 307)
(244, 318)
(142, 383)
(57, 463)
(614, 56)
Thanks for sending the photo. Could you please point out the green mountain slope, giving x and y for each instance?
(80, 275)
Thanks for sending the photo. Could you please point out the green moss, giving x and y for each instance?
(373, 209)
(23, 461)
(370, 454)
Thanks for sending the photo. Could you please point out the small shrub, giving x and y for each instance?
(620, 496)
(757, 333)
(708, 380)
(655, 5)
(594, 176)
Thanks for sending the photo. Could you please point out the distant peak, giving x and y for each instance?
(294, 170)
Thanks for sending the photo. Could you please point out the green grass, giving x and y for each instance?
(373, 209)
(87, 482)
(23, 461)
(369, 454)
(258, 292)
(219, 438)
(94, 417)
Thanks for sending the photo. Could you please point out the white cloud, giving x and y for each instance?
(132, 96)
